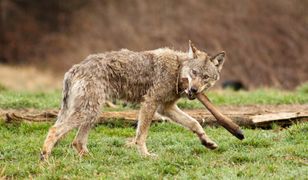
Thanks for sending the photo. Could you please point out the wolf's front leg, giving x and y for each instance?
(180, 117)
(146, 114)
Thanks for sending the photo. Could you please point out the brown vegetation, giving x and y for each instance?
(265, 40)
(28, 79)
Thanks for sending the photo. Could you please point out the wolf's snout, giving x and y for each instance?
(194, 90)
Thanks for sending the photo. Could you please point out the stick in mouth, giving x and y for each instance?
(223, 120)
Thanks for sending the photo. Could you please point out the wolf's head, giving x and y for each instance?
(201, 70)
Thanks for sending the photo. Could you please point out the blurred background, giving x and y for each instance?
(266, 41)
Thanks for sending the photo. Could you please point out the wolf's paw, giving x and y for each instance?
(130, 143)
(83, 152)
(43, 156)
(149, 155)
(209, 144)
(81, 149)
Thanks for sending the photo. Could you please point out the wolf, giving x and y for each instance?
(152, 78)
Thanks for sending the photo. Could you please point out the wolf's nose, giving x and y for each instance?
(193, 89)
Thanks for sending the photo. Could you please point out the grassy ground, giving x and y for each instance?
(46, 100)
(264, 154)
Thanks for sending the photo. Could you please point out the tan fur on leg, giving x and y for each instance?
(180, 117)
(54, 134)
(144, 121)
(80, 141)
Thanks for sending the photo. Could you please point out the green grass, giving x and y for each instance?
(259, 96)
(37, 100)
(47, 100)
(264, 154)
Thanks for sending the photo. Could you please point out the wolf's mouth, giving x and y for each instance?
(191, 95)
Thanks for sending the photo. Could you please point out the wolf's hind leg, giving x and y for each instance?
(56, 132)
(81, 139)
(180, 117)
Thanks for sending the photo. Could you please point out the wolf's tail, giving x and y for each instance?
(65, 95)
(66, 89)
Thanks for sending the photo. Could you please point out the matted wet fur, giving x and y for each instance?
(151, 78)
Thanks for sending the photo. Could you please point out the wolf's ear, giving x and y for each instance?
(218, 60)
(192, 50)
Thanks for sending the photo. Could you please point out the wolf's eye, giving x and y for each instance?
(194, 72)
